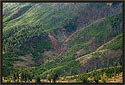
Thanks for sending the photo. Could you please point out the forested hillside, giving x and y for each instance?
(64, 38)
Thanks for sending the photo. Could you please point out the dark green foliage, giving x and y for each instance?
(25, 28)
(52, 76)
(70, 56)
(45, 67)
(116, 22)
(30, 76)
(25, 31)
(55, 76)
(71, 68)
(8, 64)
(101, 74)
(84, 78)
(8, 60)
(117, 44)
(22, 76)
(96, 78)
(38, 79)
(14, 76)
(105, 57)
(49, 77)
(26, 76)
(17, 75)
(104, 78)
(99, 33)
(70, 25)
(39, 47)
(87, 70)
(67, 68)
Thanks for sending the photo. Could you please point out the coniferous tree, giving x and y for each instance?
(84, 78)
(25, 76)
(30, 77)
(115, 71)
(54, 76)
(115, 75)
(87, 70)
(22, 76)
(49, 77)
(14, 77)
(38, 79)
(96, 78)
(104, 78)
(17, 74)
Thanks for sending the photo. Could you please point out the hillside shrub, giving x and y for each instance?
(84, 78)
(37, 80)
(104, 78)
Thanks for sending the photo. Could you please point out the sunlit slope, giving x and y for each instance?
(88, 39)
(106, 54)
(52, 36)
(109, 54)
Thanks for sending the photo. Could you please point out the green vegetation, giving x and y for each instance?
(49, 77)
(96, 35)
(104, 78)
(104, 56)
(52, 76)
(101, 74)
(116, 44)
(38, 79)
(68, 68)
(97, 54)
(96, 78)
(84, 78)
(24, 32)
(46, 41)
(8, 60)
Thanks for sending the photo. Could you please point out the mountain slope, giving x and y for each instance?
(52, 36)
(109, 54)
(108, 57)
(90, 38)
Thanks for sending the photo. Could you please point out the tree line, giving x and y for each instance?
(96, 76)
